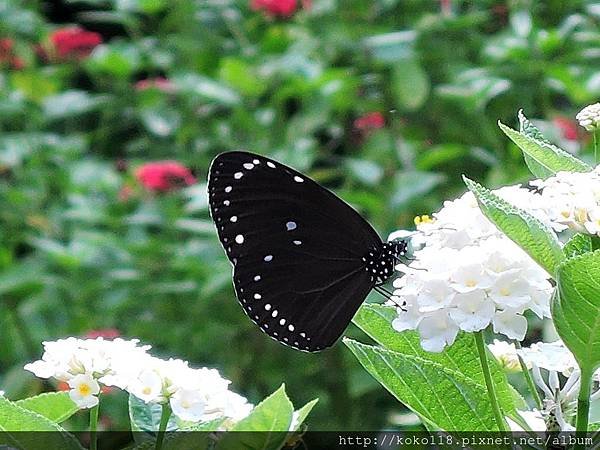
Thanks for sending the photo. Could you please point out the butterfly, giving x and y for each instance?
(303, 259)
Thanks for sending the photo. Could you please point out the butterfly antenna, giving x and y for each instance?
(389, 296)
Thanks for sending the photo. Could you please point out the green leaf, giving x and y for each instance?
(18, 427)
(70, 104)
(410, 84)
(302, 413)
(376, 321)
(442, 395)
(146, 416)
(55, 406)
(272, 417)
(576, 308)
(578, 245)
(533, 236)
(543, 158)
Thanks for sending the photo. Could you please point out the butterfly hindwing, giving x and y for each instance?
(296, 249)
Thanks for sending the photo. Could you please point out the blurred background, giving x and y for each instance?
(111, 110)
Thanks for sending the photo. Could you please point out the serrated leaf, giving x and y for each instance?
(301, 414)
(272, 417)
(576, 308)
(547, 158)
(462, 356)
(533, 236)
(55, 406)
(578, 245)
(443, 395)
(20, 428)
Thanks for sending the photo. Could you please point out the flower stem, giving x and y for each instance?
(164, 420)
(489, 383)
(583, 405)
(93, 427)
(534, 392)
(595, 146)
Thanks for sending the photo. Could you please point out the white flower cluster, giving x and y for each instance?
(469, 275)
(571, 200)
(589, 117)
(85, 364)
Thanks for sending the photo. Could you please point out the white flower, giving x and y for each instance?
(437, 331)
(511, 290)
(589, 117)
(469, 275)
(147, 386)
(553, 356)
(1, 393)
(506, 354)
(511, 324)
(188, 404)
(473, 312)
(571, 200)
(84, 390)
(194, 394)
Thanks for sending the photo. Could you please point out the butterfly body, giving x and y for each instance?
(303, 260)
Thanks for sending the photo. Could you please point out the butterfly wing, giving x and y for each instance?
(296, 249)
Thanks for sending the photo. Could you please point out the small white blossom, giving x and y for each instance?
(84, 390)
(194, 394)
(589, 117)
(188, 404)
(469, 275)
(506, 355)
(571, 200)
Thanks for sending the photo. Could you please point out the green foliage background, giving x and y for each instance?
(75, 255)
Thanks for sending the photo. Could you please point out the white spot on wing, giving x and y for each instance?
(270, 164)
(226, 202)
(257, 296)
(282, 322)
(239, 239)
(268, 306)
(238, 175)
(233, 218)
(257, 278)
(298, 179)
(248, 166)
(297, 242)
(228, 189)
(256, 161)
(274, 313)
(291, 226)
(268, 258)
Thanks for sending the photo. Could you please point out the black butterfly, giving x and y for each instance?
(303, 259)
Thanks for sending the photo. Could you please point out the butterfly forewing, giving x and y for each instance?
(297, 249)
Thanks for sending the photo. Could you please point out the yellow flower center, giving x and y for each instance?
(423, 219)
(504, 291)
(147, 390)
(84, 389)
(471, 283)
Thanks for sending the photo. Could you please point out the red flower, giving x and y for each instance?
(74, 42)
(161, 83)
(276, 8)
(8, 56)
(107, 333)
(567, 127)
(164, 176)
(371, 121)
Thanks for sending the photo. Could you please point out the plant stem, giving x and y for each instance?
(534, 392)
(94, 426)
(583, 405)
(164, 420)
(489, 383)
(595, 147)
